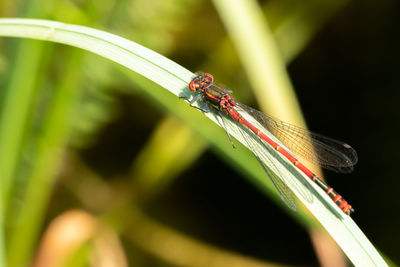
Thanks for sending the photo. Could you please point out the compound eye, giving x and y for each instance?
(193, 86)
(209, 76)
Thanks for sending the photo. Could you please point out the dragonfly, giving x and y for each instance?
(315, 148)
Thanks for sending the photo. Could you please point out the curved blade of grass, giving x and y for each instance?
(175, 78)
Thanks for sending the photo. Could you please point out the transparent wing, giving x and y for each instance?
(329, 153)
(283, 190)
(277, 178)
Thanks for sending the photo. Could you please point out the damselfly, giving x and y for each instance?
(324, 151)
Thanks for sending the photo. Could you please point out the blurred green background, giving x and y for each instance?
(99, 173)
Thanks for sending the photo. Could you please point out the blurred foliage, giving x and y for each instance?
(80, 135)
